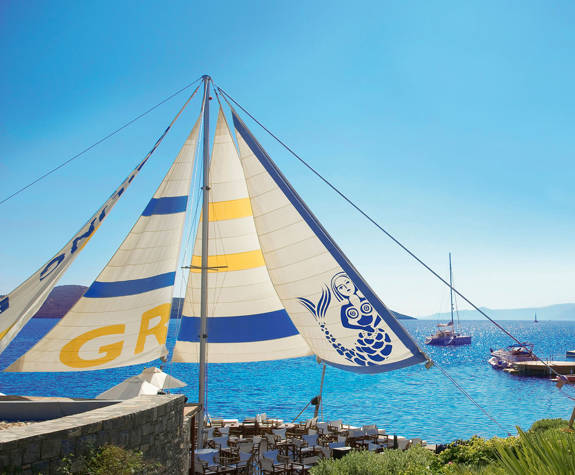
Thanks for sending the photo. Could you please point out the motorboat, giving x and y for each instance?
(505, 357)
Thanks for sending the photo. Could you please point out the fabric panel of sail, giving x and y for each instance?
(334, 309)
(247, 322)
(22, 303)
(123, 317)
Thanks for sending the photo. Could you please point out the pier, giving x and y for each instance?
(541, 369)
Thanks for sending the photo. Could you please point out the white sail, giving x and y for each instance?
(123, 317)
(22, 303)
(247, 321)
(334, 309)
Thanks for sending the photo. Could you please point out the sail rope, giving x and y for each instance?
(468, 396)
(194, 207)
(226, 96)
(111, 134)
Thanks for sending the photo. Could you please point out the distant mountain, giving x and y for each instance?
(564, 311)
(401, 316)
(63, 297)
(60, 300)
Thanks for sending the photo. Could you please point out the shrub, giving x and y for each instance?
(108, 460)
(475, 452)
(540, 452)
(548, 424)
(414, 461)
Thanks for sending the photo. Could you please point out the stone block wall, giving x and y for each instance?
(153, 425)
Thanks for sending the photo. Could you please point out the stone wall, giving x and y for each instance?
(153, 425)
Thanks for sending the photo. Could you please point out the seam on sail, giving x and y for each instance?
(330, 270)
(299, 261)
(277, 249)
(279, 229)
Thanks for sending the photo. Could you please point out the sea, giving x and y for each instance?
(412, 402)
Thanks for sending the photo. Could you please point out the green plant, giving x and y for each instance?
(415, 461)
(548, 452)
(548, 424)
(108, 460)
(475, 452)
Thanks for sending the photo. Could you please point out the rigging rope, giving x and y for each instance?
(226, 96)
(100, 141)
(468, 396)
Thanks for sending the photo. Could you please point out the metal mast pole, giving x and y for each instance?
(451, 288)
(204, 278)
(320, 402)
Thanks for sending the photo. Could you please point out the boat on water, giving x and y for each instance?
(535, 319)
(266, 281)
(504, 358)
(570, 354)
(447, 334)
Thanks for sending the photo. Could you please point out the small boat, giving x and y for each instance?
(535, 320)
(446, 335)
(570, 354)
(505, 357)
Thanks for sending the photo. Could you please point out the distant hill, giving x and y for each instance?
(561, 312)
(401, 316)
(63, 297)
(60, 300)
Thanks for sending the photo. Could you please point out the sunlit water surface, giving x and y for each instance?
(411, 402)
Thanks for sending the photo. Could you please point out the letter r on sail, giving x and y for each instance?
(159, 330)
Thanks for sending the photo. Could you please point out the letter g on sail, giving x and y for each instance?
(70, 353)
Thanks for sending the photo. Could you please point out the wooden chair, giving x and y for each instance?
(269, 463)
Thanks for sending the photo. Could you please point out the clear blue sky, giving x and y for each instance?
(452, 123)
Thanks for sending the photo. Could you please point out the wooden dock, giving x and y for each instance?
(540, 369)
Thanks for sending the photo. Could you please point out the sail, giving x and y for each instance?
(22, 303)
(340, 317)
(247, 321)
(123, 317)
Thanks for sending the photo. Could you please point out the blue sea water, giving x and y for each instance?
(413, 402)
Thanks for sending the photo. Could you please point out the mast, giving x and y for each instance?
(451, 288)
(204, 274)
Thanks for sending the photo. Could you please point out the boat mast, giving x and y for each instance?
(451, 289)
(204, 264)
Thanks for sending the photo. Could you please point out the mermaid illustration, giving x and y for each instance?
(373, 344)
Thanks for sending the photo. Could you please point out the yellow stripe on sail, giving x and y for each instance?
(230, 262)
(3, 333)
(232, 209)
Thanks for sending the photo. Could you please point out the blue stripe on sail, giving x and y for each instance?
(241, 329)
(335, 251)
(129, 287)
(168, 205)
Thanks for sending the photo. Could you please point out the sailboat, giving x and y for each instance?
(266, 280)
(446, 334)
(535, 319)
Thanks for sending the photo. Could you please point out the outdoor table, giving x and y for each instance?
(339, 452)
(206, 451)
